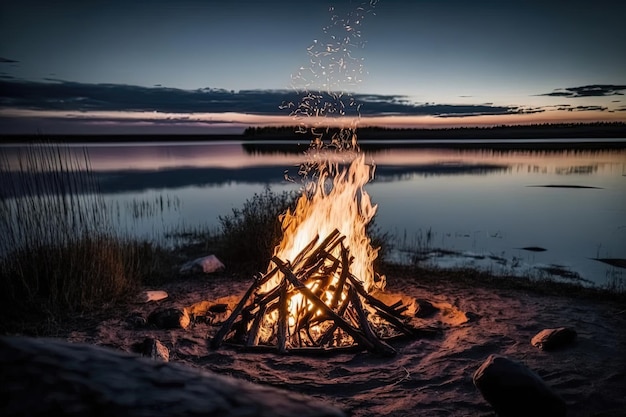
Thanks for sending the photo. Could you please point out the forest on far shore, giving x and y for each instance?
(533, 131)
(597, 131)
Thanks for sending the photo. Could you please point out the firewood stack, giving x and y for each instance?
(352, 320)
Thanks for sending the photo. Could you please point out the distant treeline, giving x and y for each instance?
(533, 131)
(536, 131)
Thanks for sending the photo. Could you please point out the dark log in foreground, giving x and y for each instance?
(44, 377)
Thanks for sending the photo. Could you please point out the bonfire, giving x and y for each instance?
(318, 293)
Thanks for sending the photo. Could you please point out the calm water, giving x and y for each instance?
(481, 205)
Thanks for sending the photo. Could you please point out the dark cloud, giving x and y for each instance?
(585, 108)
(595, 90)
(7, 61)
(54, 94)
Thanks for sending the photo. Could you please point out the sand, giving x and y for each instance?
(428, 377)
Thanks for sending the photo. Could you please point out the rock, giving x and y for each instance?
(136, 320)
(152, 348)
(208, 312)
(472, 317)
(206, 264)
(551, 339)
(513, 390)
(169, 318)
(425, 309)
(148, 296)
(48, 377)
(219, 308)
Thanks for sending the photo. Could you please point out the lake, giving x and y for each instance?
(516, 208)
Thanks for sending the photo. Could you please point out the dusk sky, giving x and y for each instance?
(212, 67)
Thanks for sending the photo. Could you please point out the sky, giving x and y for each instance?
(204, 66)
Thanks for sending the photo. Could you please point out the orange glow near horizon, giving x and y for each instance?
(243, 120)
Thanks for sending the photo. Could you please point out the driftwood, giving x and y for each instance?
(345, 322)
(44, 377)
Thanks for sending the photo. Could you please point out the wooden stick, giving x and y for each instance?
(300, 351)
(259, 282)
(381, 347)
(265, 299)
(329, 333)
(331, 241)
(356, 335)
(223, 331)
(345, 270)
(283, 315)
(253, 334)
(386, 312)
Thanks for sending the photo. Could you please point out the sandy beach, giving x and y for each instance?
(428, 377)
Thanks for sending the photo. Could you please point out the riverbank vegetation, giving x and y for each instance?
(59, 251)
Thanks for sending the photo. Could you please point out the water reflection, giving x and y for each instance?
(141, 167)
(484, 203)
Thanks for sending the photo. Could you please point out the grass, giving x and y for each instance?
(59, 253)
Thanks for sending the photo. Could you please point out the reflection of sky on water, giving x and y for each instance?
(481, 201)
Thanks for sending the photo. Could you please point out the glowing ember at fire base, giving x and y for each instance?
(352, 319)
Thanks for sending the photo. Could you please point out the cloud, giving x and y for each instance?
(595, 90)
(7, 61)
(585, 108)
(61, 95)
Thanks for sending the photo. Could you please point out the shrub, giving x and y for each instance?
(249, 234)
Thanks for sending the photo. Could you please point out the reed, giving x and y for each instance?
(59, 251)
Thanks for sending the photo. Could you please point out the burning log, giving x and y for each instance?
(317, 306)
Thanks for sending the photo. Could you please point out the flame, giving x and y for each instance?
(336, 200)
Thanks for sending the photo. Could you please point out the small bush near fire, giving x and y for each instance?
(249, 234)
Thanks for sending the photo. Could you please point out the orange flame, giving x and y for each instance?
(339, 202)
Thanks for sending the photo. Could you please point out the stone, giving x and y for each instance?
(472, 317)
(50, 377)
(209, 312)
(136, 319)
(552, 339)
(148, 296)
(152, 348)
(169, 318)
(207, 264)
(514, 390)
(425, 309)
